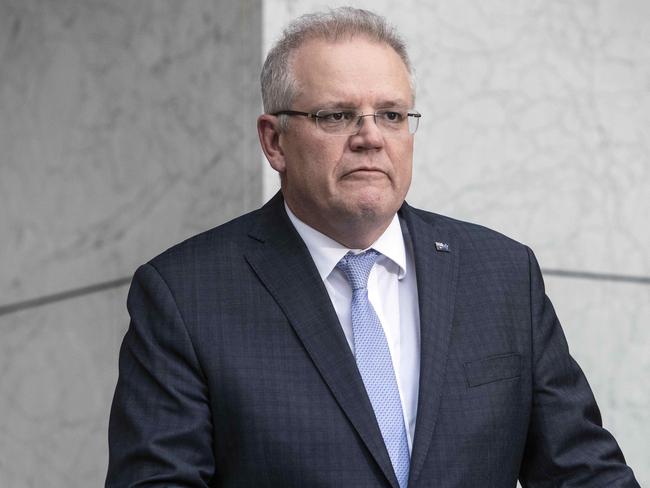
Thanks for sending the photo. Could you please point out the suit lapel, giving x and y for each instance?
(285, 267)
(436, 269)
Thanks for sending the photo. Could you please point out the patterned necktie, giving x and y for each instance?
(374, 362)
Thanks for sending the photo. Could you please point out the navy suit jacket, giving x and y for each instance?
(235, 371)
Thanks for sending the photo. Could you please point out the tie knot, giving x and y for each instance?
(357, 267)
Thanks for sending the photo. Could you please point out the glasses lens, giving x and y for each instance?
(392, 120)
(336, 121)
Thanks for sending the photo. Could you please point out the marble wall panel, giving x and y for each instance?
(58, 368)
(606, 325)
(539, 126)
(536, 120)
(124, 127)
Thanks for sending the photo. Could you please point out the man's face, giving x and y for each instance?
(328, 179)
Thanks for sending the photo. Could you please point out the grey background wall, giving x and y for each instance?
(124, 128)
(128, 126)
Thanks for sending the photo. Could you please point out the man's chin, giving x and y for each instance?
(372, 208)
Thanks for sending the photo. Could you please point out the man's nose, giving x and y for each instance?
(369, 135)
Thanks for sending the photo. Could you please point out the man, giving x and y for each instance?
(338, 337)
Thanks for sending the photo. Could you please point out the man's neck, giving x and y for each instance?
(353, 234)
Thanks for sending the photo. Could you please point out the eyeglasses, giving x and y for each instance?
(348, 122)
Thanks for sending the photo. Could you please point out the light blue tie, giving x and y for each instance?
(374, 362)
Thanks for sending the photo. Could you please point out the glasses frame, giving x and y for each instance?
(414, 114)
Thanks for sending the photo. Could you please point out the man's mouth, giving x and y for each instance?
(365, 172)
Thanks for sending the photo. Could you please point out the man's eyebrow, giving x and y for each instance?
(337, 104)
(394, 103)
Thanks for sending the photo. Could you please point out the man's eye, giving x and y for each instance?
(337, 116)
(391, 116)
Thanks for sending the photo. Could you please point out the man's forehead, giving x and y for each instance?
(345, 73)
(355, 102)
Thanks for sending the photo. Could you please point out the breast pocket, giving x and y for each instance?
(492, 369)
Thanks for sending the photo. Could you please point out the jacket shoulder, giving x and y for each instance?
(219, 243)
(468, 233)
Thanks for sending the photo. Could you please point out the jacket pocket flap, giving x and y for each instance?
(493, 368)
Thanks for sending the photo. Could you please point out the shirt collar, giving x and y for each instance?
(326, 252)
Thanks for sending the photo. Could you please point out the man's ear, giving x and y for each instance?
(268, 129)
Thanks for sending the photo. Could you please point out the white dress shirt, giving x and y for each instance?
(392, 290)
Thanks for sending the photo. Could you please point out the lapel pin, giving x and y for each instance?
(442, 247)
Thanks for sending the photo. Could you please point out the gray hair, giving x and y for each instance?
(343, 23)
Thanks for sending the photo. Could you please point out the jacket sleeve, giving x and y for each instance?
(160, 431)
(566, 445)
